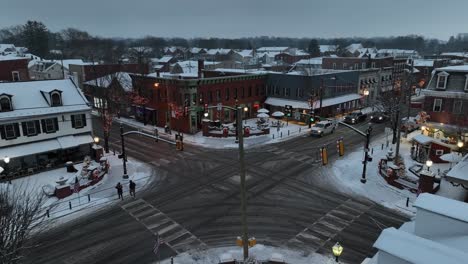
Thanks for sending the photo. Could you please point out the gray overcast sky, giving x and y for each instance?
(239, 18)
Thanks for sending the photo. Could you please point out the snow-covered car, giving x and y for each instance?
(323, 127)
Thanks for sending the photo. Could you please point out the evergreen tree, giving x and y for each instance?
(314, 49)
(36, 38)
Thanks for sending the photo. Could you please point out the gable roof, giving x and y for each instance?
(354, 47)
(124, 79)
(327, 48)
(28, 98)
(9, 47)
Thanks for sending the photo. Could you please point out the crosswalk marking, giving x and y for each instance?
(173, 234)
(328, 226)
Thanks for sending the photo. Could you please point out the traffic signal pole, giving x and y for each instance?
(367, 135)
(124, 157)
(245, 242)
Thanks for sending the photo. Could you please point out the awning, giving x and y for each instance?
(305, 105)
(46, 146)
(30, 148)
(282, 102)
(74, 141)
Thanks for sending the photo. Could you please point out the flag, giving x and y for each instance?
(76, 186)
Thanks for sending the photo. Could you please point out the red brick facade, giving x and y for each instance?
(169, 97)
(8, 67)
(446, 115)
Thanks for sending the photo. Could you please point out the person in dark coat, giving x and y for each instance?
(132, 186)
(119, 190)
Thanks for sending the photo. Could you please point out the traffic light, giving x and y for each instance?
(206, 108)
(185, 110)
(324, 155)
(340, 147)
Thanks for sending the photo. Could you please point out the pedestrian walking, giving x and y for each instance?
(119, 190)
(132, 186)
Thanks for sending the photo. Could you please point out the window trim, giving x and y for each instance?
(13, 76)
(434, 105)
(80, 118)
(59, 97)
(439, 75)
(13, 129)
(28, 127)
(47, 125)
(466, 83)
(460, 102)
(10, 108)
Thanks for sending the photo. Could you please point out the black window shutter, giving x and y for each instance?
(25, 129)
(56, 124)
(44, 130)
(2, 132)
(38, 127)
(84, 119)
(73, 120)
(17, 130)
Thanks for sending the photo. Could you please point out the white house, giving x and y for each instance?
(438, 234)
(43, 124)
(50, 69)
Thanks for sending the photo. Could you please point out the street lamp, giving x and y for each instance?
(422, 129)
(460, 144)
(156, 85)
(429, 164)
(246, 109)
(337, 249)
(96, 140)
(6, 159)
(366, 92)
(206, 114)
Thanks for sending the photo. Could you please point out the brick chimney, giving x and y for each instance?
(201, 67)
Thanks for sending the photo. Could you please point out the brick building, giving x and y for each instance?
(425, 67)
(169, 97)
(446, 97)
(291, 57)
(13, 69)
(355, 63)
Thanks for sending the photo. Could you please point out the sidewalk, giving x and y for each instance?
(284, 133)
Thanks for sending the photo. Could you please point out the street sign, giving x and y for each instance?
(219, 106)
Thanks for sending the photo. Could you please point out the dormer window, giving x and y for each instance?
(55, 99)
(5, 103)
(442, 80)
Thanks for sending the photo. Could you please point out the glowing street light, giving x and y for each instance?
(96, 140)
(246, 109)
(429, 164)
(337, 249)
(156, 85)
(366, 92)
(205, 114)
(6, 159)
(460, 144)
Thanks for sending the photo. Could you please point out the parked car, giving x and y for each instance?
(324, 127)
(355, 117)
(379, 117)
(412, 124)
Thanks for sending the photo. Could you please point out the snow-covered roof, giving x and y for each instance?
(164, 59)
(272, 49)
(29, 99)
(354, 47)
(218, 51)
(327, 48)
(455, 54)
(9, 47)
(443, 206)
(11, 57)
(414, 249)
(122, 77)
(270, 54)
(311, 61)
(423, 63)
(195, 50)
(459, 68)
(245, 53)
(68, 62)
(423, 139)
(459, 172)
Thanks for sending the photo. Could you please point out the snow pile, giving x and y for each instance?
(259, 252)
(101, 194)
(347, 171)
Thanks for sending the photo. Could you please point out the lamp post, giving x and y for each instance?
(206, 115)
(429, 164)
(366, 93)
(422, 129)
(246, 109)
(96, 140)
(366, 154)
(337, 249)
(460, 144)
(6, 159)
(240, 136)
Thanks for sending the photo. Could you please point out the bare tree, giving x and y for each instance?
(20, 214)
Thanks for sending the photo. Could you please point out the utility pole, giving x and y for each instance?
(366, 155)
(245, 242)
(321, 95)
(124, 156)
(409, 90)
